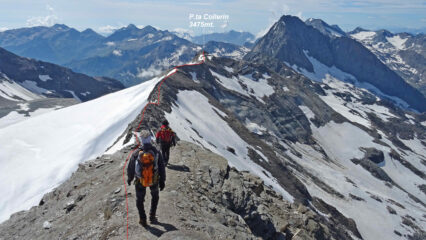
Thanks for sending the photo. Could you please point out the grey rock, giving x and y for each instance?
(390, 210)
(374, 155)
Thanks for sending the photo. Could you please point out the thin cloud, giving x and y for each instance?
(47, 20)
(299, 15)
(108, 29)
(276, 10)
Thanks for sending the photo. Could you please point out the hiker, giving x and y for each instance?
(146, 165)
(166, 137)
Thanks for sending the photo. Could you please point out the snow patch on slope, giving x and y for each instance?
(12, 91)
(257, 88)
(44, 78)
(397, 42)
(117, 53)
(354, 109)
(74, 95)
(254, 127)
(324, 73)
(362, 36)
(32, 86)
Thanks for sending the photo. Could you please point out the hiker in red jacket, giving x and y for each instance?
(166, 137)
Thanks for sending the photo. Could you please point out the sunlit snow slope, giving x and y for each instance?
(39, 153)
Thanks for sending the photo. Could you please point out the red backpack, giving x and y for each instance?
(166, 135)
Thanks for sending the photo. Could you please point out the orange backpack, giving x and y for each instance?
(149, 165)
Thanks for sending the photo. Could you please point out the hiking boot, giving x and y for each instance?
(143, 222)
(153, 219)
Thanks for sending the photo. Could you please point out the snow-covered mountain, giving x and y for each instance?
(353, 158)
(292, 41)
(402, 52)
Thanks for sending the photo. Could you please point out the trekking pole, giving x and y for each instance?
(153, 135)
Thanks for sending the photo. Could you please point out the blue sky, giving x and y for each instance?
(247, 15)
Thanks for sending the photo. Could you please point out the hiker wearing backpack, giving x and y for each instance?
(146, 165)
(166, 137)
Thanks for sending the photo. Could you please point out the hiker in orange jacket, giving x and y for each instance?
(166, 137)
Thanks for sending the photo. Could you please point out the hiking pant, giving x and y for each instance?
(140, 198)
(165, 151)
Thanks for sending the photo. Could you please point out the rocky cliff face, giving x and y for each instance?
(204, 199)
(296, 43)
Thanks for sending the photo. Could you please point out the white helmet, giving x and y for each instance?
(145, 137)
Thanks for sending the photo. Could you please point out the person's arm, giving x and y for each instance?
(157, 137)
(161, 170)
(174, 139)
(131, 167)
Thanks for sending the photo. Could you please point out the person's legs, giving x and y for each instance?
(168, 153)
(165, 153)
(140, 198)
(155, 196)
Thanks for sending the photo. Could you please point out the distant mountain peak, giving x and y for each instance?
(286, 18)
(88, 30)
(357, 30)
(60, 26)
(290, 40)
(150, 28)
(131, 26)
